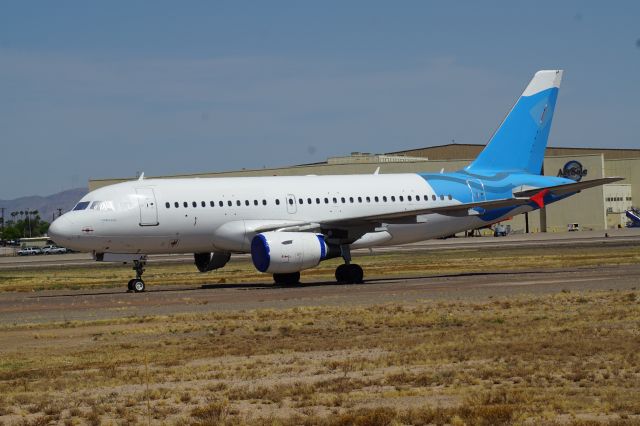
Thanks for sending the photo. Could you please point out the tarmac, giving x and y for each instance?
(102, 304)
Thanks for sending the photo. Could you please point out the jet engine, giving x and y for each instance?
(209, 261)
(287, 252)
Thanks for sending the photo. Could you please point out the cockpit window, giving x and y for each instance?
(102, 205)
(81, 205)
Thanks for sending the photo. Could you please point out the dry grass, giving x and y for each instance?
(565, 358)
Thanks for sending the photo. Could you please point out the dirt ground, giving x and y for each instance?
(536, 335)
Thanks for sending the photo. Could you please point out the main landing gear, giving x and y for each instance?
(287, 279)
(348, 273)
(136, 284)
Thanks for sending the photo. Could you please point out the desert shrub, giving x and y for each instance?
(213, 413)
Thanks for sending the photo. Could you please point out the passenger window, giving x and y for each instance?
(441, 197)
(376, 198)
(290, 201)
(212, 204)
(246, 202)
(317, 200)
(277, 202)
(384, 198)
(300, 201)
(433, 197)
(326, 200)
(220, 203)
(409, 197)
(203, 204)
(194, 204)
(342, 199)
(238, 203)
(351, 199)
(368, 199)
(401, 198)
(229, 203)
(335, 200)
(393, 198)
(167, 205)
(176, 204)
(185, 204)
(255, 202)
(309, 201)
(450, 197)
(417, 198)
(264, 202)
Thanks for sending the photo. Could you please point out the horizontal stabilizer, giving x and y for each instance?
(568, 188)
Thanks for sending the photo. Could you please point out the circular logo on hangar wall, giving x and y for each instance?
(573, 170)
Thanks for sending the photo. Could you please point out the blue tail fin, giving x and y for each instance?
(519, 143)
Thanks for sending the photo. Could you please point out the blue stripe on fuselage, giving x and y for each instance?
(498, 186)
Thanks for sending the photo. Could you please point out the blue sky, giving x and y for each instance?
(105, 89)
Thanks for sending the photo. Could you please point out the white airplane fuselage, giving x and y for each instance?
(222, 214)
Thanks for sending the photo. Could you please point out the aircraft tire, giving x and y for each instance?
(341, 273)
(138, 285)
(130, 284)
(355, 274)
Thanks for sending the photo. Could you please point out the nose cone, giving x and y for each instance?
(60, 231)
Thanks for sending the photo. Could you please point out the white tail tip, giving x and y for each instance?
(543, 80)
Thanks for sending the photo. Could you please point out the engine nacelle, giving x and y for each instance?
(287, 252)
(209, 261)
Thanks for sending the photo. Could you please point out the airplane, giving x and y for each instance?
(292, 223)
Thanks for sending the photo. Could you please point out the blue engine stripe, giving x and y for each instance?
(323, 248)
(260, 253)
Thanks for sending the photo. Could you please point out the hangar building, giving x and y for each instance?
(598, 208)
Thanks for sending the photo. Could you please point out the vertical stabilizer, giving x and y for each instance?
(519, 143)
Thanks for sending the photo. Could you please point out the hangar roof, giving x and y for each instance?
(463, 151)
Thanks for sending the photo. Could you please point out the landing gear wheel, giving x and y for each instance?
(355, 274)
(138, 285)
(341, 273)
(349, 274)
(287, 279)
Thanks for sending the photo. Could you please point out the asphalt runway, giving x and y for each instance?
(109, 303)
(70, 305)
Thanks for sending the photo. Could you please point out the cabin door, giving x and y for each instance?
(291, 203)
(148, 207)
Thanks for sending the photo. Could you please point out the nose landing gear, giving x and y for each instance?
(136, 284)
(348, 273)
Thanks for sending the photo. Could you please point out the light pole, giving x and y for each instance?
(2, 229)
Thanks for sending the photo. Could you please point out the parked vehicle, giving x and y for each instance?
(28, 251)
(501, 230)
(53, 250)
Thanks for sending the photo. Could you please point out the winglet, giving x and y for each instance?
(377, 171)
(539, 197)
(141, 176)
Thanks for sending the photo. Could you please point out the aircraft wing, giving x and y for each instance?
(523, 197)
(568, 188)
(453, 210)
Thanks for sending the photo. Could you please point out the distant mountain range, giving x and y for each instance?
(46, 206)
